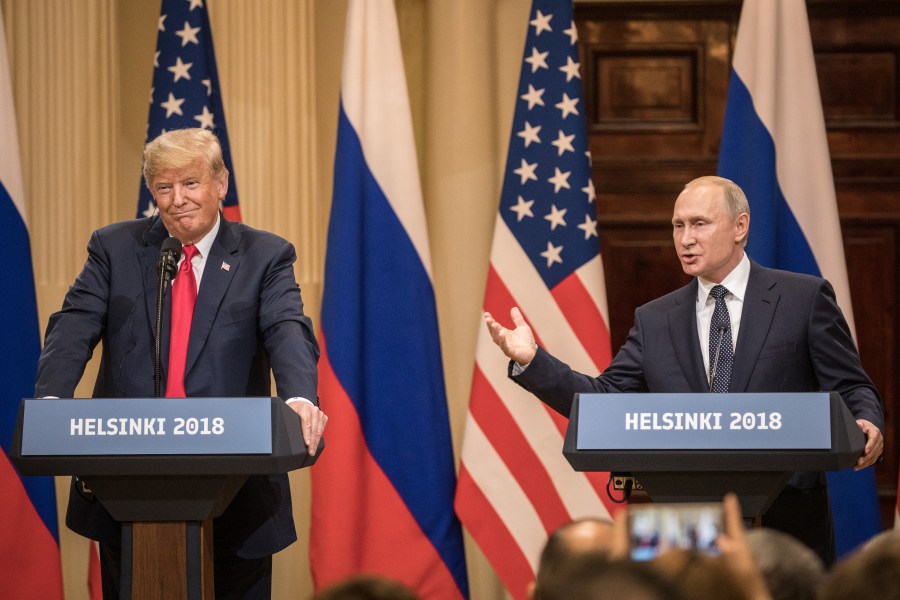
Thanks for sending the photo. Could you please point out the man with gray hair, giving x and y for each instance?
(736, 327)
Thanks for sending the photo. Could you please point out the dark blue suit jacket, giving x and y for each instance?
(793, 338)
(248, 323)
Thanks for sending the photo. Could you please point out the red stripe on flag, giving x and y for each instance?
(29, 556)
(359, 522)
(95, 579)
(584, 317)
(516, 453)
(232, 213)
(492, 536)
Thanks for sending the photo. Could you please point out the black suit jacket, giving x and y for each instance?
(793, 338)
(248, 323)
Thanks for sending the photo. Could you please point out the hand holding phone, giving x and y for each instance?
(655, 528)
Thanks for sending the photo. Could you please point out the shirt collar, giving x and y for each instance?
(735, 282)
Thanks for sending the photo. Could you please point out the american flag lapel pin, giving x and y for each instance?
(225, 266)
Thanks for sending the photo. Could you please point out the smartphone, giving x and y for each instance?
(655, 528)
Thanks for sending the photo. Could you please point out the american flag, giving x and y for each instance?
(515, 487)
(185, 90)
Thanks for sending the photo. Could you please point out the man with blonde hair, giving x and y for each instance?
(243, 321)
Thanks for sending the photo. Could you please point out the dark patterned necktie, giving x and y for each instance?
(721, 351)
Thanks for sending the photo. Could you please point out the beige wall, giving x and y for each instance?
(81, 77)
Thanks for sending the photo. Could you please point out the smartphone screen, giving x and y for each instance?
(655, 528)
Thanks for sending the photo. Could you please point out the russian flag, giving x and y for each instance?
(382, 495)
(29, 537)
(774, 146)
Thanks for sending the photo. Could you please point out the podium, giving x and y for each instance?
(164, 468)
(697, 447)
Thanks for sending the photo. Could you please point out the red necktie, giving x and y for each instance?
(184, 295)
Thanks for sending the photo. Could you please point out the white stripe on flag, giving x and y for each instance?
(502, 491)
(781, 78)
(593, 278)
(576, 492)
(10, 161)
(375, 99)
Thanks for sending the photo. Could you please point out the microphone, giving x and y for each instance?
(165, 268)
(168, 260)
(712, 365)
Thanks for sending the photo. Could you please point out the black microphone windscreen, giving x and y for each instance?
(171, 244)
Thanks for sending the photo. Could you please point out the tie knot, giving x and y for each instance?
(190, 251)
(718, 292)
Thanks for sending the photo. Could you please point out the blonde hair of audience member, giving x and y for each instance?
(791, 570)
(366, 587)
(871, 572)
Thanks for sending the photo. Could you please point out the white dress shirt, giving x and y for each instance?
(736, 284)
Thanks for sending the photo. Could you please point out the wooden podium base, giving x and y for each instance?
(167, 560)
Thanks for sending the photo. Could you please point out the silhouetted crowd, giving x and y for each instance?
(590, 559)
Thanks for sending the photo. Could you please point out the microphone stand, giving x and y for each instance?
(168, 263)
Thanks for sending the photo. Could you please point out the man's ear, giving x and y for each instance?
(742, 228)
(531, 591)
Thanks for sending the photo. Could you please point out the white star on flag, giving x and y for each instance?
(526, 171)
(522, 208)
(188, 35)
(172, 105)
(533, 97)
(541, 23)
(560, 180)
(567, 106)
(589, 227)
(538, 60)
(180, 69)
(556, 217)
(552, 254)
(564, 142)
(205, 118)
(530, 134)
(571, 69)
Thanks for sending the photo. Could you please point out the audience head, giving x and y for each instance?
(593, 576)
(587, 535)
(791, 570)
(699, 576)
(872, 572)
(366, 587)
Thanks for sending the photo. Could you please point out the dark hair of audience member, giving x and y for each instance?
(699, 576)
(791, 570)
(366, 587)
(593, 576)
(871, 572)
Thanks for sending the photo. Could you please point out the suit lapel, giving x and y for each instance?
(756, 319)
(149, 257)
(213, 285)
(683, 330)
